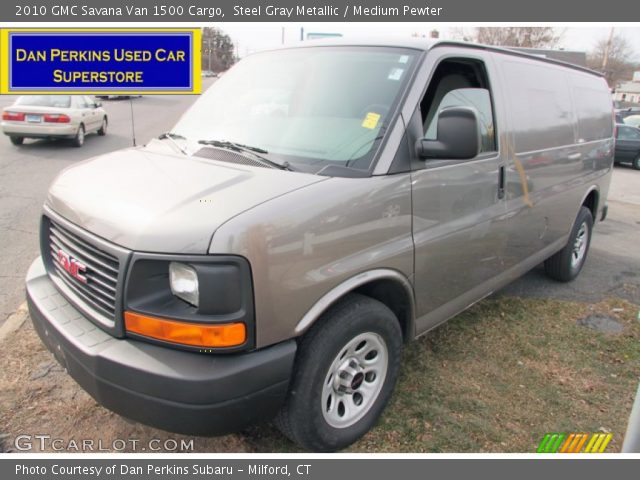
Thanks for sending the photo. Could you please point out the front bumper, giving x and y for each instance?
(170, 389)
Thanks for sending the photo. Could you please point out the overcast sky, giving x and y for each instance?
(252, 37)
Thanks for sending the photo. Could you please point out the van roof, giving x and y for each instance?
(426, 45)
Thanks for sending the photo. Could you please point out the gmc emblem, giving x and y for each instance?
(72, 266)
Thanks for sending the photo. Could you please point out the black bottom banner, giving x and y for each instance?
(319, 468)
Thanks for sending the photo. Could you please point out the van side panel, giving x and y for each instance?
(305, 243)
(553, 165)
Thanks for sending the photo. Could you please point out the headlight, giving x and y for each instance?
(184, 283)
(193, 302)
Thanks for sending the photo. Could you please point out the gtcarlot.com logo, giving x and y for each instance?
(26, 443)
(574, 443)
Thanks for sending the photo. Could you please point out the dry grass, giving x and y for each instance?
(494, 379)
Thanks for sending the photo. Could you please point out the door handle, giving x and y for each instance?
(501, 182)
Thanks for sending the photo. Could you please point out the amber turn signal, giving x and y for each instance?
(192, 334)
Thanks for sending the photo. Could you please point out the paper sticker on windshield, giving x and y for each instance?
(403, 59)
(371, 120)
(395, 73)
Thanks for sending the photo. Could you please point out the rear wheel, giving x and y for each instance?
(565, 265)
(78, 140)
(344, 375)
(636, 163)
(16, 140)
(103, 128)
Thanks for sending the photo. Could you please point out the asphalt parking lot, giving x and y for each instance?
(27, 171)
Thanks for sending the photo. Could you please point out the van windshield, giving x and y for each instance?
(309, 107)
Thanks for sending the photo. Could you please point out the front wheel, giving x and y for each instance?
(344, 375)
(565, 265)
(636, 163)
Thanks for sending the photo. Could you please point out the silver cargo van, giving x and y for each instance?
(315, 209)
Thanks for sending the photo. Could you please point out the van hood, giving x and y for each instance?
(152, 200)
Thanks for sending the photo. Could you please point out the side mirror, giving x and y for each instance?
(97, 104)
(458, 136)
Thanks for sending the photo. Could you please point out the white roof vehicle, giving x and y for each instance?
(54, 116)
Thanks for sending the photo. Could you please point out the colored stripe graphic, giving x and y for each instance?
(591, 442)
(551, 442)
(578, 447)
(543, 443)
(569, 444)
(573, 442)
(598, 443)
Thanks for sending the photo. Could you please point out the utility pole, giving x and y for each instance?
(607, 50)
(207, 50)
(209, 61)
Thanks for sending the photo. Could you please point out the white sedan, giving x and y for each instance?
(54, 116)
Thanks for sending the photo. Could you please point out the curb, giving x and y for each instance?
(14, 322)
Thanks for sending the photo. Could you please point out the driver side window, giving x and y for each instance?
(460, 83)
(81, 102)
(89, 102)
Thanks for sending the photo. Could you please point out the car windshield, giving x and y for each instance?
(633, 120)
(309, 107)
(57, 101)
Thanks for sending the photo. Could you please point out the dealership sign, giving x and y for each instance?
(104, 61)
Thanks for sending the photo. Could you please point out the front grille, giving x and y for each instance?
(101, 269)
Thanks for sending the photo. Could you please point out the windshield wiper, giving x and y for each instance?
(172, 137)
(256, 152)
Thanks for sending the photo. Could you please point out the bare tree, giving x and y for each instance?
(613, 56)
(524, 37)
(217, 50)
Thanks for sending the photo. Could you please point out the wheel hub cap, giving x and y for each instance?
(349, 378)
(354, 380)
(580, 245)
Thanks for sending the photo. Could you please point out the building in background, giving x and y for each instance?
(629, 92)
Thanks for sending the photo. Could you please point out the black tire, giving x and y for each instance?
(78, 140)
(103, 129)
(636, 163)
(561, 266)
(302, 418)
(16, 140)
